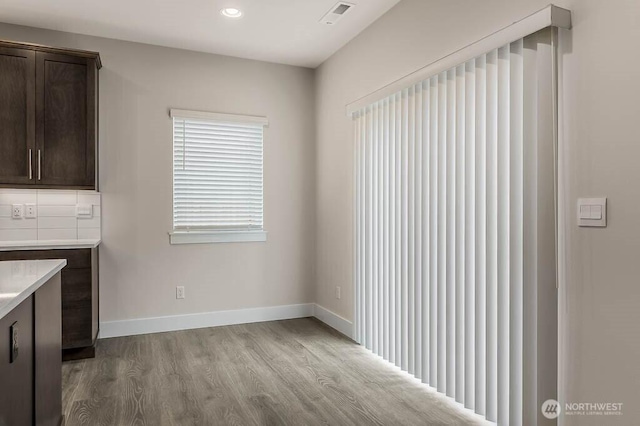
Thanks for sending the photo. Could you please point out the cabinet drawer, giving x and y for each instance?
(76, 259)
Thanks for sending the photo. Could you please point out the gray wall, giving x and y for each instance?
(139, 269)
(600, 307)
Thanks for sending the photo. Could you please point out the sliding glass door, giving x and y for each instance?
(456, 231)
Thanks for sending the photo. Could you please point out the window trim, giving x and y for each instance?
(206, 236)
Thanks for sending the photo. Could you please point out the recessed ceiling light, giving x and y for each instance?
(231, 12)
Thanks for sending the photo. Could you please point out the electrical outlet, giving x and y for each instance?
(338, 292)
(180, 292)
(16, 211)
(30, 211)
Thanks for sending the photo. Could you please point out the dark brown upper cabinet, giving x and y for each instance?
(48, 116)
(17, 115)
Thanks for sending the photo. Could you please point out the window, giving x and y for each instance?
(217, 177)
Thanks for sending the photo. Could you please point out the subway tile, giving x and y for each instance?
(56, 211)
(18, 197)
(58, 234)
(89, 197)
(54, 197)
(57, 222)
(9, 223)
(16, 190)
(89, 233)
(94, 222)
(18, 234)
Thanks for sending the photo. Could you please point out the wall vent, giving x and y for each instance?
(336, 13)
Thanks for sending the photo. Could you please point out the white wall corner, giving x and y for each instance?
(334, 321)
(203, 320)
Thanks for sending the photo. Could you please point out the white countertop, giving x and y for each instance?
(19, 279)
(48, 244)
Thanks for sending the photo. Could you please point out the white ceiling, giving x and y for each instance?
(284, 31)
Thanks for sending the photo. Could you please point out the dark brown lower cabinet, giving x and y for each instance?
(48, 358)
(79, 297)
(31, 386)
(16, 383)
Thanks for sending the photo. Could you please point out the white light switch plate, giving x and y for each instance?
(84, 211)
(592, 212)
(30, 211)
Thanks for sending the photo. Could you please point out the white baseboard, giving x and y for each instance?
(208, 319)
(135, 327)
(334, 320)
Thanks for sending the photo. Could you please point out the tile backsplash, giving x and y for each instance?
(56, 217)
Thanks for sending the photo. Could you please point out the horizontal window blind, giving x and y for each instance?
(217, 175)
(455, 231)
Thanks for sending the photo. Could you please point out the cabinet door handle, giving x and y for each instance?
(30, 164)
(39, 165)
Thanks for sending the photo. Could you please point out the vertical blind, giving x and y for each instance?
(217, 174)
(455, 231)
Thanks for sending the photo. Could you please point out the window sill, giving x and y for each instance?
(209, 237)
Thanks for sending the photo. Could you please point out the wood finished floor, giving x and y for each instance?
(296, 372)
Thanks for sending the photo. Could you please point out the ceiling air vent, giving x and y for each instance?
(336, 13)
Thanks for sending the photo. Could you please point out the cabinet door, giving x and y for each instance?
(65, 116)
(48, 353)
(17, 115)
(16, 378)
(76, 308)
